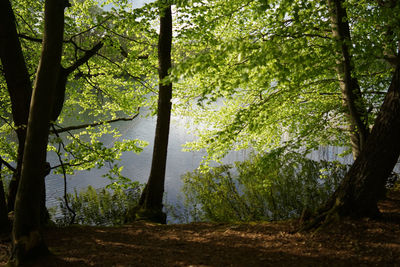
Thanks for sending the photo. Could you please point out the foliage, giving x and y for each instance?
(99, 207)
(271, 64)
(269, 186)
(113, 83)
(253, 73)
(86, 150)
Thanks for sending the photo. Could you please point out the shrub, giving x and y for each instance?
(99, 207)
(271, 186)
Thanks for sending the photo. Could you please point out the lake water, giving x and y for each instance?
(137, 167)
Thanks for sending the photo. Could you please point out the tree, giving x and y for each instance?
(19, 88)
(4, 223)
(27, 237)
(281, 72)
(364, 184)
(150, 206)
(277, 72)
(268, 70)
(18, 85)
(78, 56)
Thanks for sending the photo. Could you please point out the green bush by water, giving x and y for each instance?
(99, 207)
(271, 186)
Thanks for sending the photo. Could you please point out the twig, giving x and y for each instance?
(69, 164)
(90, 28)
(65, 179)
(135, 78)
(7, 122)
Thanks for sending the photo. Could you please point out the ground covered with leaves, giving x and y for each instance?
(350, 243)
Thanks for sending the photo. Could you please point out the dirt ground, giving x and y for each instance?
(351, 243)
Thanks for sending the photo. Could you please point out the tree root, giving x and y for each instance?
(149, 215)
(321, 221)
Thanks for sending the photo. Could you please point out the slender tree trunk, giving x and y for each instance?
(152, 196)
(4, 223)
(18, 84)
(351, 93)
(27, 237)
(364, 184)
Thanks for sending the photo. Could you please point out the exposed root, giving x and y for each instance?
(149, 215)
(322, 220)
(156, 216)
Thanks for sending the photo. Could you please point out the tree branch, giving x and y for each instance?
(11, 168)
(77, 127)
(30, 38)
(91, 28)
(65, 178)
(88, 54)
(136, 78)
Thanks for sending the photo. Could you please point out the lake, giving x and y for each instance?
(137, 167)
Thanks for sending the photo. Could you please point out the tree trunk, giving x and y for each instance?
(20, 91)
(152, 196)
(4, 223)
(27, 237)
(351, 93)
(18, 85)
(364, 184)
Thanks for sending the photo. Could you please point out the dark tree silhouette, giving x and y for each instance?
(364, 184)
(18, 85)
(27, 236)
(20, 89)
(150, 206)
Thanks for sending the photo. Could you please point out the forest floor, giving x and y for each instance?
(350, 243)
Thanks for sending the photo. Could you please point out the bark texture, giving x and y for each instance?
(152, 196)
(27, 237)
(351, 93)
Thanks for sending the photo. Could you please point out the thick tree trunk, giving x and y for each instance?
(351, 93)
(20, 90)
(18, 84)
(364, 184)
(152, 196)
(27, 237)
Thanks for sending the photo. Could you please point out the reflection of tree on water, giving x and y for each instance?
(137, 167)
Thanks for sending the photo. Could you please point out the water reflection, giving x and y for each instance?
(137, 167)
